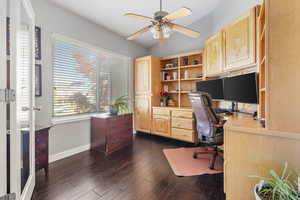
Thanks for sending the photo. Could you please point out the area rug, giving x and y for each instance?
(183, 164)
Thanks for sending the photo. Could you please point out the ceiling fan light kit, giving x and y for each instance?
(161, 26)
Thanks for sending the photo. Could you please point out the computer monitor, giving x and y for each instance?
(241, 88)
(212, 87)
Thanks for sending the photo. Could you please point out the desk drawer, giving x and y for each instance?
(182, 114)
(183, 123)
(183, 134)
(164, 112)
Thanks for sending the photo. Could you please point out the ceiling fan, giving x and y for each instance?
(161, 24)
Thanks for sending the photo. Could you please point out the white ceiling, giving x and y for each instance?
(109, 13)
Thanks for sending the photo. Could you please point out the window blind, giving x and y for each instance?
(74, 79)
(23, 74)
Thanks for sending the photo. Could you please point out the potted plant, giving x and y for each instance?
(164, 97)
(278, 187)
(120, 105)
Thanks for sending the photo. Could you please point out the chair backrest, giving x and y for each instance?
(205, 115)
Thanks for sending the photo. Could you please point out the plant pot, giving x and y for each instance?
(113, 110)
(165, 101)
(256, 189)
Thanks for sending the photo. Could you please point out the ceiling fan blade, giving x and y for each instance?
(162, 40)
(148, 19)
(184, 30)
(140, 32)
(180, 13)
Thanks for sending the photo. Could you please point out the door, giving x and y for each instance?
(3, 142)
(142, 114)
(240, 42)
(19, 116)
(161, 125)
(214, 59)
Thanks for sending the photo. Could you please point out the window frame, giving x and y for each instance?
(82, 116)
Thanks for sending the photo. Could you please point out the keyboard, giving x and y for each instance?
(221, 111)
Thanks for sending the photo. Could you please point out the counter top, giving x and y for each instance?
(174, 108)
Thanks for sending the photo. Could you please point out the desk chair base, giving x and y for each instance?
(215, 152)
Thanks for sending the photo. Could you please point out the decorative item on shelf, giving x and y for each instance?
(169, 66)
(278, 187)
(175, 75)
(172, 103)
(185, 61)
(186, 74)
(168, 77)
(120, 105)
(195, 62)
(166, 88)
(164, 97)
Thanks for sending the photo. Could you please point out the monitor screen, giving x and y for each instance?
(241, 88)
(212, 87)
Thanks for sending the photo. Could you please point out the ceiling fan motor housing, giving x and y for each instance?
(160, 15)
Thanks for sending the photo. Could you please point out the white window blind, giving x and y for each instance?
(23, 77)
(86, 79)
(75, 80)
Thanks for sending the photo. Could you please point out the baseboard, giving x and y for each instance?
(68, 153)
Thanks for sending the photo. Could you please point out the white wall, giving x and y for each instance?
(224, 14)
(53, 19)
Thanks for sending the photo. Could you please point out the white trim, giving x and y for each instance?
(71, 119)
(68, 153)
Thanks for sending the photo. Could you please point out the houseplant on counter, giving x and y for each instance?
(120, 105)
(278, 187)
(164, 98)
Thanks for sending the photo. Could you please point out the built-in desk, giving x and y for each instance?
(250, 150)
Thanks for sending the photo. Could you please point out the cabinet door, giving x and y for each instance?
(214, 59)
(161, 125)
(240, 42)
(142, 113)
(142, 76)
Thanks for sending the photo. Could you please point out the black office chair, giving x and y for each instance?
(209, 126)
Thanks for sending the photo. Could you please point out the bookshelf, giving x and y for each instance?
(262, 58)
(179, 75)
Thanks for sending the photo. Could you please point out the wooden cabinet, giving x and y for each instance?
(42, 149)
(142, 114)
(214, 56)
(161, 125)
(147, 89)
(174, 123)
(110, 133)
(240, 42)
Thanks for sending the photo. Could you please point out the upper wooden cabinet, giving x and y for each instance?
(142, 75)
(214, 59)
(240, 42)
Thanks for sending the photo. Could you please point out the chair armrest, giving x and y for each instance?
(218, 125)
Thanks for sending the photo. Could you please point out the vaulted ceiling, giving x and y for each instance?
(110, 13)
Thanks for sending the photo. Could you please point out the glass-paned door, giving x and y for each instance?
(20, 115)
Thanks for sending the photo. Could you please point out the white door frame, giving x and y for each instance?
(3, 131)
(15, 137)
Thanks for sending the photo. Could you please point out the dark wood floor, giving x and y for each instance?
(140, 172)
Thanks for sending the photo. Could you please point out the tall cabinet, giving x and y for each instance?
(147, 73)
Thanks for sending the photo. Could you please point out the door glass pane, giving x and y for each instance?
(23, 92)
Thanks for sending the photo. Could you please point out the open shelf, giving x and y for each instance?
(192, 79)
(169, 69)
(191, 66)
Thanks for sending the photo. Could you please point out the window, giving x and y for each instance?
(82, 79)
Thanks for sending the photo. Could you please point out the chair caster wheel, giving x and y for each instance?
(195, 156)
(210, 167)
